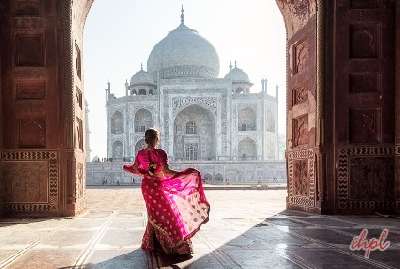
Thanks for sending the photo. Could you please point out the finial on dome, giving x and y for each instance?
(141, 66)
(230, 65)
(182, 15)
(235, 64)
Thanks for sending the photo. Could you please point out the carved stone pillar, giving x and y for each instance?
(303, 152)
(42, 157)
(341, 149)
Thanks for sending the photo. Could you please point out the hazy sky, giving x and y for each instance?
(120, 34)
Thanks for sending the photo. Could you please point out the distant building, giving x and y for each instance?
(215, 124)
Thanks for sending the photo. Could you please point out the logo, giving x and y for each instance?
(361, 242)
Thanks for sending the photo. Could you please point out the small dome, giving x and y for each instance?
(237, 75)
(142, 77)
(184, 53)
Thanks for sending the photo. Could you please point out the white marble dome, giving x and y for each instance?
(238, 75)
(184, 53)
(142, 77)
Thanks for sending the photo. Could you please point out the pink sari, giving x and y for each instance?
(176, 205)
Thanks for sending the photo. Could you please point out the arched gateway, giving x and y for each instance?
(341, 99)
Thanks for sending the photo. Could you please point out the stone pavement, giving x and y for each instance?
(247, 229)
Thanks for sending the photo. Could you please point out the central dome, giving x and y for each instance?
(184, 53)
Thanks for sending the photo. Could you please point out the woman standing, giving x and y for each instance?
(175, 201)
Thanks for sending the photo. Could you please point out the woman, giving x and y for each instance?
(175, 201)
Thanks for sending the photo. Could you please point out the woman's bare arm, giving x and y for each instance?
(132, 168)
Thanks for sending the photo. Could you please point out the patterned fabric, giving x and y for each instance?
(176, 205)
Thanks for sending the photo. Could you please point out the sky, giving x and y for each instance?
(120, 34)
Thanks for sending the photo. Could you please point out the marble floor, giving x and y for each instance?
(247, 229)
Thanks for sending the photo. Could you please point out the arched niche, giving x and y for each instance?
(143, 120)
(117, 123)
(247, 149)
(200, 142)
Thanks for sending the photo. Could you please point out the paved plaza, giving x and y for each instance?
(247, 229)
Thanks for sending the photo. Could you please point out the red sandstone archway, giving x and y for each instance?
(342, 57)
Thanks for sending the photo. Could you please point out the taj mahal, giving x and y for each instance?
(219, 125)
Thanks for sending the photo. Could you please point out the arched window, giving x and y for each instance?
(191, 152)
(142, 91)
(151, 92)
(191, 127)
(247, 119)
(143, 120)
(117, 123)
(133, 92)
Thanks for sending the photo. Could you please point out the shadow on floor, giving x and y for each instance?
(294, 239)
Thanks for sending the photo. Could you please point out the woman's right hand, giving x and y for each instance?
(131, 168)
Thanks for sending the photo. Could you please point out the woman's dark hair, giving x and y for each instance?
(151, 136)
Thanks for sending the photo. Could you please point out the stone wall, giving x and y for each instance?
(246, 172)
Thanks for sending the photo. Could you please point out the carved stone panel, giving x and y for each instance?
(78, 61)
(364, 126)
(80, 180)
(31, 90)
(79, 97)
(79, 133)
(365, 178)
(364, 82)
(363, 41)
(300, 131)
(371, 179)
(300, 56)
(303, 192)
(363, 4)
(27, 8)
(32, 133)
(26, 182)
(300, 177)
(31, 182)
(299, 95)
(29, 50)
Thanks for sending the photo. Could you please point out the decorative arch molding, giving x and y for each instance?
(180, 103)
(296, 14)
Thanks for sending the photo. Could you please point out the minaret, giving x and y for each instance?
(126, 88)
(108, 91)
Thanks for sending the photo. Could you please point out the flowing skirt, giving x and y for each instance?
(176, 208)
